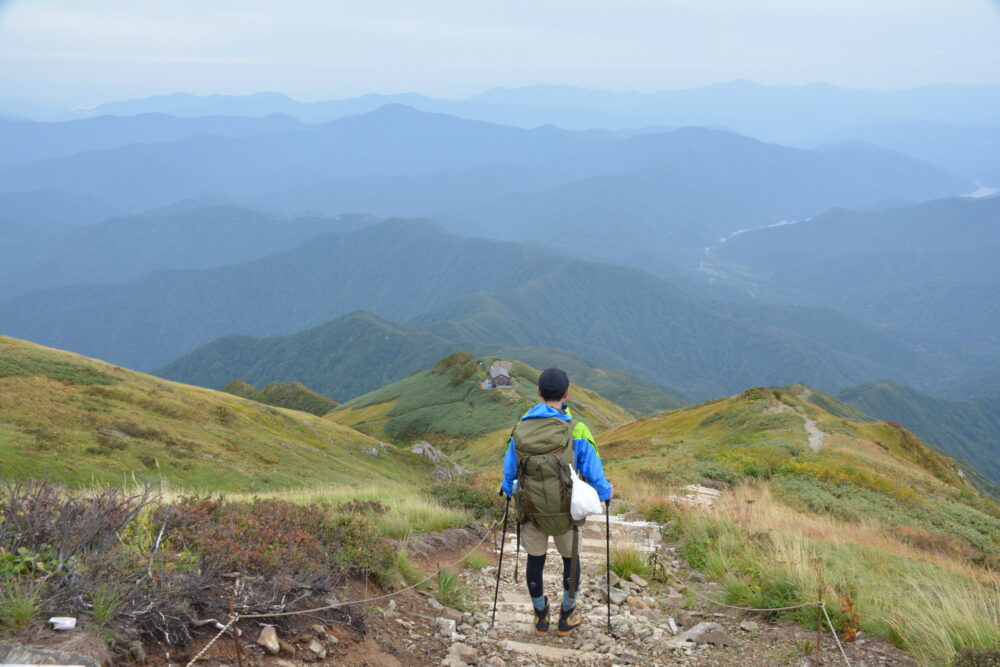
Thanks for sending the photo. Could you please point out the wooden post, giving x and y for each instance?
(820, 585)
(236, 639)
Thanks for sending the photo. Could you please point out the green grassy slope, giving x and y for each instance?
(865, 471)
(968, 429)
(84, 422)
(448, 405)
(291, 395)
(897, 530)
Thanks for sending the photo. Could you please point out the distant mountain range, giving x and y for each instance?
(122, 249)
(971, 150)
(928, 271)
(649, 200)
(759, 110)
(475, 291)
(25, 141)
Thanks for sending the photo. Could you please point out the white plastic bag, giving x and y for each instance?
(584, 500)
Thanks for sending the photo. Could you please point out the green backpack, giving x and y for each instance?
(544, 448)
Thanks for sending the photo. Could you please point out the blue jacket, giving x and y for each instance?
(586, 459)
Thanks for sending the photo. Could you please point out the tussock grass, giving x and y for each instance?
(105, 601)
(407, 568)
(451, 592)
(477, 560)
(628, 561)
(20, 602)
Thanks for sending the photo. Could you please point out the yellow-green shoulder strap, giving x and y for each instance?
(582, 432)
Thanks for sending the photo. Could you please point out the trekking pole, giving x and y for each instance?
(503, 538)
(607, 553)
(517, 552)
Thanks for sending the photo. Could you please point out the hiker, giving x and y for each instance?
(542, 445)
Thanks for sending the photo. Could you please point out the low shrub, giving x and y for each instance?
(462, 495)
(299, 540)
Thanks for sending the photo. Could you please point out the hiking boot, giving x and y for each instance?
(542, 619)
(569, 620)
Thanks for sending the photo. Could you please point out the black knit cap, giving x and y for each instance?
(552, 384)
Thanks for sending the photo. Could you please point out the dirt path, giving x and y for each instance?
(817, 438)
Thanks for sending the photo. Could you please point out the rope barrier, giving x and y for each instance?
(277, 614)
(834, 631)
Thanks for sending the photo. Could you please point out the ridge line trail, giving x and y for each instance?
(815, 436)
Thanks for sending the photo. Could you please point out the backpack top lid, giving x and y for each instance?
(542, 435)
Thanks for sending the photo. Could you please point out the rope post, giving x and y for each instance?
(236, 639)
(818, 562)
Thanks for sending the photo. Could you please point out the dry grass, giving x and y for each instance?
(930, 604)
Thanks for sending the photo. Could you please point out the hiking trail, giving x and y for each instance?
(663, 619)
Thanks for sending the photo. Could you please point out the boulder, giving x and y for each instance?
(750, 626)
(14, 653)
(268, 639)
(638, 581)
(446, 627)
(697, 576)
(464, 652)
(317, 649)
(699, 631)
(618, 596)
(453, 614)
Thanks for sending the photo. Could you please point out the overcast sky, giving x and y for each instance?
(81, 53)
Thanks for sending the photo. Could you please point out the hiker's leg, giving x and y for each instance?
(569, 599)
(536, 544)
(536, 588)
(564, 543)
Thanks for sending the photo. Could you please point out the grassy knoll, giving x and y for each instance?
(449, 406)
(86, 422)
(292, 395)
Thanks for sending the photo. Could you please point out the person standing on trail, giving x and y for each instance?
(542, 446)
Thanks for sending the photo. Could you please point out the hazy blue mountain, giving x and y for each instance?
(122, 249)
(758, 110)
(186, 104)
(32, 222)
(392, 141)
(27, 141)
(680, 192)
(971, 150)
(968, 429)
(469, 290)
(786, 114)
(930, 268)
(526, 116)
(360, 352)
(49, 207)
(685, 187)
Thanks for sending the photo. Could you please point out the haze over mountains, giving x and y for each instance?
(642, 240)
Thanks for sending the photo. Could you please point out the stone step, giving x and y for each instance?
(590, 546)
(569, 656)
